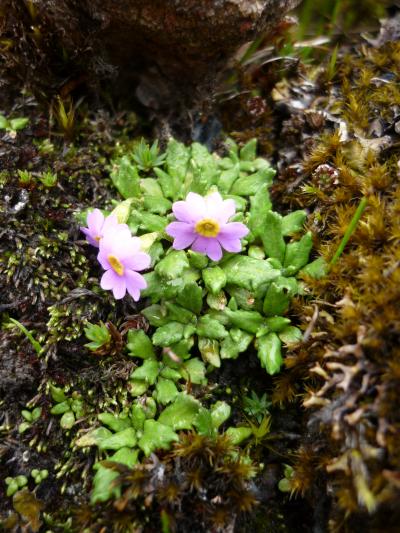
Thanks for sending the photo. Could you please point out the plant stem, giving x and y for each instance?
(349, 231)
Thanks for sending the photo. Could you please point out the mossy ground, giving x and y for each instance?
(331, 129)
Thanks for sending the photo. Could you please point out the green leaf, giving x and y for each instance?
(171, 186)
(173, 265)
(60, 408)
(137, 387)
(249, 185)
(4, 123)
(317, 269)
(179, 314)
(269, 353)
(93, 438)
(191, 297)
(126, 456)
(248, 272)
(67, 420)
(124, 438)
(250, 321)
(156, 204)
(241, 338)
(217, 301)
(18, 123)
(297, 254)
(211, 328)
(228, 177)
(125, 178)
(293, 222)
(114, 422)
(195, 370)
(168, 334)
(151, 187)
(277, 323)
(170, 373)
(23, 427)
(291, 335)
(182, 413)
(220, 412)
(99, 334)
(197, 260)
(276, 301)
(209, 350)
(238, 435)
(229, 349)
(260, 205)
(156, 315)
(138, 416)
(148, 372)
(271, 235)
(156, 435)
(177, 159)
(103, 488)
(181, 349)
(203, 423)
(214, 279)
(27, 415)
(139, 344)
(166, 391)
(146, 222)
(244, 298)
(249, 150)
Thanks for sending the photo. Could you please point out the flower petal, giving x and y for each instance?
(233, 230)
(119, 287)
(208, 246)
(134, 283)
(230, 245)
(89, 236)
(102, 256)
(214, 250)
(95, 219)
(137, 261)
(108, 280)
(183, 234)
(190, 210)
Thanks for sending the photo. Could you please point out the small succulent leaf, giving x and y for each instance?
(93, 437)
(27, 415)
(297, 254)
(173, 265)
(57, 394)
(318, 269)
(214, 279)
(238, 435)
(137, 387)
(36, 413)
(103, 488)
(276, 300)
(166, 391)
(156, 435)
(220, 412)
(249, 273)
(177, 159)
(170, 373)
(195, 370)
(156, 315)
(249, 151)
(18, 123)
(249, 185)
(228, 177)
(291, 335)
(125, 178)
(60, 408)
(67, 420)
(277, 323)
(260, 205)
(147, 372)
(211, 328)
(169, 334)
(170, 185)
(151, 187)
(138, 416)
(124, 438)
(114, 422)
(156, 204)
(249, 321)
(139, 344)
(126, 456)
(272, 236)
(209, 349)
(190, 297)
(217, 301)
(204, 423)
(146, 222)
(182, 413)
(293, 222)
(179, 314)
(4, 123)
(269, 353)
(229, 349)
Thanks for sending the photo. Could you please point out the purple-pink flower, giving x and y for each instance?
(98, 225)
(120, 256)
(202, 223)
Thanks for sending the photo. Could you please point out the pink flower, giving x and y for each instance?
(120, 256)
(98, 225)
(203, 225)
